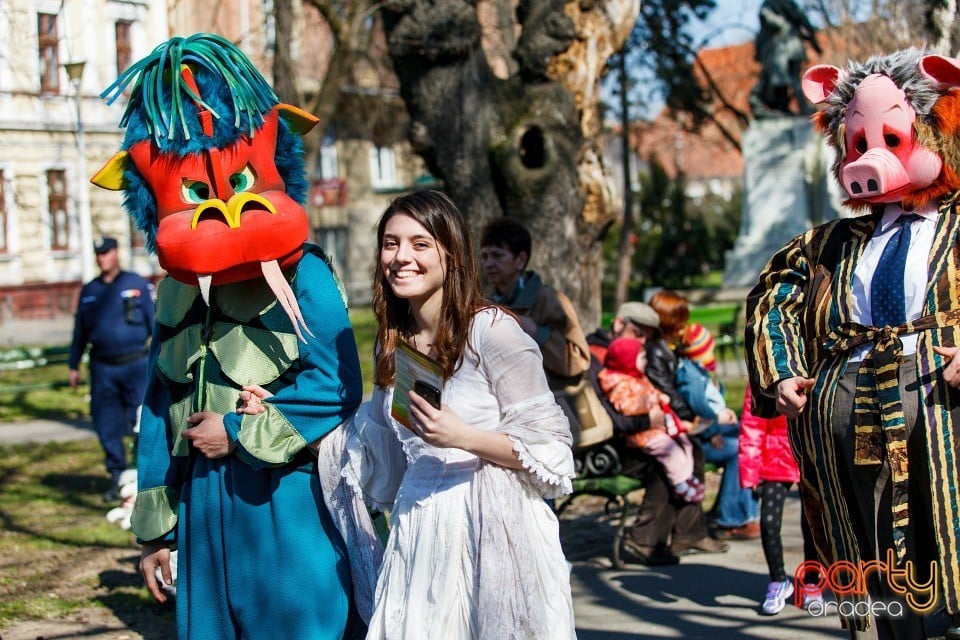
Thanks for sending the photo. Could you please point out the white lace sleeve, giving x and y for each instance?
(376, 459)
(530, 415)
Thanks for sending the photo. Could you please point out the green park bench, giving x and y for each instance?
(723, 321)
(616, 488)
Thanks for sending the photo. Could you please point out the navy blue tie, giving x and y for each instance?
(887, 304)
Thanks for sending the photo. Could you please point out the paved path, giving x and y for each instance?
(44, 431)
(705, 596)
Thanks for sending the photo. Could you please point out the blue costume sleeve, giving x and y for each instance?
(326, 390)
(160, 476)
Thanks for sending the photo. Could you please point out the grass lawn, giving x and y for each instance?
(59, 402)
(365, 332)
(58, 551)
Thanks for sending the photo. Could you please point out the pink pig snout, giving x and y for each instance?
(874, 173)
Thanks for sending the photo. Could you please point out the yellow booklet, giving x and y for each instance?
(412, 368)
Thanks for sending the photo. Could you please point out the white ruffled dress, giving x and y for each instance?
(474, 550)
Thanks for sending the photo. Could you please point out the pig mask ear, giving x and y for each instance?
(944, 71)
(819, 82)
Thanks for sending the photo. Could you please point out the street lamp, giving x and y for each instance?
(75, 73)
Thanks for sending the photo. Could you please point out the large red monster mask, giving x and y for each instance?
(223, 212)
(200, 167)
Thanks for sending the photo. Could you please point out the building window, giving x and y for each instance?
(57, 207)
(329, 166)
(124, 48)
(383, 168)
(49, 60)
(333, 241)
(4, 224)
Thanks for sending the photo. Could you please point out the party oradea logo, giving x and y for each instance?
(846, 578)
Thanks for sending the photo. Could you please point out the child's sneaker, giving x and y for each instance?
(776, 600)
(812, 595)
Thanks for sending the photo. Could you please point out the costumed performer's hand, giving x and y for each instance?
(792, 395)
(251, 399)
(153, 555)
(951, 373)
(208, 435)
(74, 379)
(727, 416)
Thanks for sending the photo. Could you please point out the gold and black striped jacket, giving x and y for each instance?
(797, 314)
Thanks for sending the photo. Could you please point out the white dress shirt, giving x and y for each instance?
(915, 274)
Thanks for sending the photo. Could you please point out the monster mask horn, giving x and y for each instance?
(212, 167)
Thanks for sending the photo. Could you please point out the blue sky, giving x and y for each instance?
(731, 22)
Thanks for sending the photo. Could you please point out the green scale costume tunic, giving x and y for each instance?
(260, 536)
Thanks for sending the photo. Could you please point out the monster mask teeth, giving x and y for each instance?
(281, 289)
(204, 282)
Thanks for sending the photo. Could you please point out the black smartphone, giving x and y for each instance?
(429, 392)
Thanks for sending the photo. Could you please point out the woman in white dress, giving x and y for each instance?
(474, 550)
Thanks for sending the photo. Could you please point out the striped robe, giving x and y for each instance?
(805, 293)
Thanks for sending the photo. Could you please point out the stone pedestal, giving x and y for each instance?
(788, 189)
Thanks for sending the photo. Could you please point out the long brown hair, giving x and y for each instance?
(462, 292)
(674, 313)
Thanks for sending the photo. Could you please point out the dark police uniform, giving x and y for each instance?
(116, 319)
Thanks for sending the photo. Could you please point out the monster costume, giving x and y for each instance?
(212, 172)
(880, 485)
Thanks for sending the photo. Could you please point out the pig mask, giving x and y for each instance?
(882, 117)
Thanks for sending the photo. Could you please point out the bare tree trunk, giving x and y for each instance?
(943, 25)
(525, 145)
(284, 68)
(625, 248)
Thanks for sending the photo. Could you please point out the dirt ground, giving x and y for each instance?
(104, 572)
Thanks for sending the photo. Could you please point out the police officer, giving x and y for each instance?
(115, 317)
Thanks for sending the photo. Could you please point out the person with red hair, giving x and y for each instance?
(737, 512)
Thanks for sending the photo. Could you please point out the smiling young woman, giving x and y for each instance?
(498, 438)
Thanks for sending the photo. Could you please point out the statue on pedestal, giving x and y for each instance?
(784, 29)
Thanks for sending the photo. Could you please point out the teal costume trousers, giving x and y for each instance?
(293, 587)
